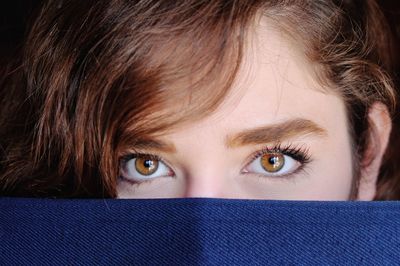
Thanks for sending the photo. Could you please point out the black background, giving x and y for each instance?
(15, 17)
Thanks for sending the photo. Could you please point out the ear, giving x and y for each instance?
(380, 126)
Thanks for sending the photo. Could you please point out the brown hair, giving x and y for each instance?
(96, 77)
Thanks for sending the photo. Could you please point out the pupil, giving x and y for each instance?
(273, 160)
(148, 163)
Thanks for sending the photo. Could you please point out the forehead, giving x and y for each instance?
(276, 82)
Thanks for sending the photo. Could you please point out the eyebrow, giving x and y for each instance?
(260, 135)
(277, 132)
(154, 144)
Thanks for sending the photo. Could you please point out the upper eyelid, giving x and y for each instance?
(133, 155)
(277, 147)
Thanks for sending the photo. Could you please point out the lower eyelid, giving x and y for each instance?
(130, 182)
(287, 177)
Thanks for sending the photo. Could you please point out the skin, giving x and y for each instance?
(276, 85)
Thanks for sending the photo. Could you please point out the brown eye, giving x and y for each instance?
(272, 162)
(146, 165)
(277, 162)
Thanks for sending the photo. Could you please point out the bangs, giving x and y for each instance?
(168, 71)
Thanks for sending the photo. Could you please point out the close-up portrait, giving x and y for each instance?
(227, 99)
(200, 132)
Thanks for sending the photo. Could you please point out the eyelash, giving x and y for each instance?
(299, 153)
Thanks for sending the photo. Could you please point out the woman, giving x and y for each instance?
(228, 99)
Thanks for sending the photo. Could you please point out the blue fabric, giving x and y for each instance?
(198, 231)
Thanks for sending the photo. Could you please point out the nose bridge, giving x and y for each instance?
(207, 179)
(205, 166)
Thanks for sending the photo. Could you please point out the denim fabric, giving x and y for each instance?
(198, 231)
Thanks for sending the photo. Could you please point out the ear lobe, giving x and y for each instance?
(380, 126)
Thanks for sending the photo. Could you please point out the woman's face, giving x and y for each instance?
(278, 135)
